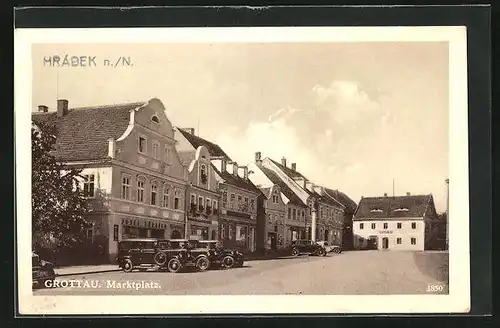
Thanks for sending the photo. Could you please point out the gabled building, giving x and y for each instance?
(132, 174)
(397, 223)
(239, 196)
(202, 196)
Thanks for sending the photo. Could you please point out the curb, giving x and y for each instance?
(86, 272)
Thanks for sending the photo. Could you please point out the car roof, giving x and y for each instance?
(175, 240)
(207, 241)
(139, 239)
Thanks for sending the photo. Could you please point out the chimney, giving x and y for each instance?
(258, 157)
(294, 166)
(62, 107)
(408, 194)
(111, 148)
(309, 186)
(283, 161)
(385, 194)
(43, 108)
(223, 167)
(188, 130)
(245, 171)
(235, 168)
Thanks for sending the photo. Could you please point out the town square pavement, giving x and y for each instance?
(349, 273)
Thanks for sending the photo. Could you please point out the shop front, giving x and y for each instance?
(143, 228)
(238, 235)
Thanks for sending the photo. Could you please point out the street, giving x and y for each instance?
(349, 273)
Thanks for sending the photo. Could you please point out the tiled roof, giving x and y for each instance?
(393, 207)
(266, 191)
(213, 149)
(187, 157)
(288, 171)
(83, 133)
(342, 198)
(294, 199)
(237, 181)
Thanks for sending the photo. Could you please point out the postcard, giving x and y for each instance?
(242, 170)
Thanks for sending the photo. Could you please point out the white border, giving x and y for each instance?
(458, 299)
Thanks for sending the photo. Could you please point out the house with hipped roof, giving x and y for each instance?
(239, 197)
(131, 172)
(401, 223)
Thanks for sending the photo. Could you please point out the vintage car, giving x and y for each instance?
(42, 271)
(175, 254)
(137, 254)
(330, 248)
(225, 258)
(305, 246)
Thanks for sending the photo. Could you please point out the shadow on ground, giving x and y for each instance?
(433, 264)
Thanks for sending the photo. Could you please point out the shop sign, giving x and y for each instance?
(385, 232)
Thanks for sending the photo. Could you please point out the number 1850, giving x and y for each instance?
(434, 288)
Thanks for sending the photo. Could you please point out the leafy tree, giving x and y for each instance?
(58, 204)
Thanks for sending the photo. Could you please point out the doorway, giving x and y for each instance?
(385, 243)
(175, 234)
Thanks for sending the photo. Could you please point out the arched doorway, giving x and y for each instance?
(175, 234)
(213, 235)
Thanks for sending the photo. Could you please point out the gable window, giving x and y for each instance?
(142, 145)
(386, 225)
(166, 155)
(156, 150)
(176, 199)
(275, 197)
(376, 210)
(361, 225)
(399, 225)
(414, 225)
(125, 187)
(203, 173)
(413, 241)
(88, 185)
(155, 119)
(166, 197)
(154, 192)
(374, 225)
(140, 190)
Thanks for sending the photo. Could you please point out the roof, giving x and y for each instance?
(186, 157)
(213, 149)
(237, 181)
(294, 199)
(266, 191)
(390, 207)
(342, 198)
(83, 133)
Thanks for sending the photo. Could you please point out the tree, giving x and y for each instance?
(58, 203)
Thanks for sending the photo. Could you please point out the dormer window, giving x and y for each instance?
(155, 119)
(402, 209)
(376, 210)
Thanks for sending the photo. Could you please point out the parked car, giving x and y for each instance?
(182, 253)
(225, 258)
(309, 247)
(330, 248)
(137, 253)
(42, 271)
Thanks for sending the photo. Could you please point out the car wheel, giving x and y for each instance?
(203, 263)
(227, 262)
(174, 265)
(128, 266)
(295, 252)
(160, 258)
(322, 252)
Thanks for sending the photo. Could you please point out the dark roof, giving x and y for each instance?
(213, 149)
(342, 198)
(266, 191)
(237, 181)
(387, 207)
(186, 157)
(294, 199)
(83, 133)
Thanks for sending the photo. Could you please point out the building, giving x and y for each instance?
(325, 214)
(396, 223)
(132, 174)
(202, 196)
(283, 209)
(239, 196)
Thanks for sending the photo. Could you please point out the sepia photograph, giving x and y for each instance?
(253, 169)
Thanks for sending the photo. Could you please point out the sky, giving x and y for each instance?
(353, 116)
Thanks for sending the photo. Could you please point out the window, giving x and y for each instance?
(398, 241)
(289, 213)
(230, 231)
(155, 119)
(413, 241)
(193, 199)
(214, 205)
(125, 187)
(252, 205)
(88, 185)
(386, 225)
(140, 190)
(239, 199)
(90, 233)
(200, 203)
(399, 225)
(414, 225)
(115, 232)
(361, 225)
(166, 155)
(142, 145)
(208, 201)
(303, 214)
(224, 199)
(232, 197)
(176, 199)
(275, 197)
(223, 231)
(294, 214)
(166, 197)
(374, 225)
(203, 173)
(154, 191)
(156, 150)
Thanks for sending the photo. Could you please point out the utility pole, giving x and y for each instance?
(393, 189)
